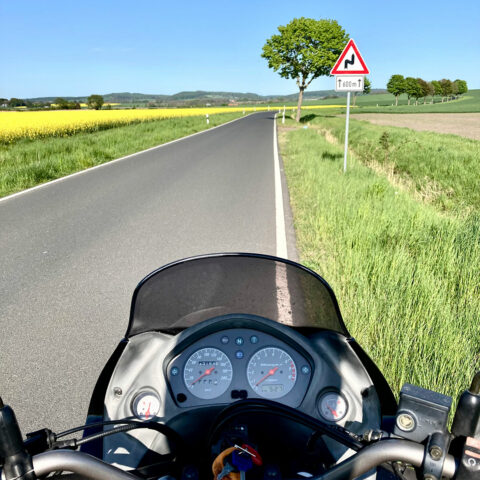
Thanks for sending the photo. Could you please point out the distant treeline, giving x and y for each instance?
(59, 104)
(93, 101)
(418, 88)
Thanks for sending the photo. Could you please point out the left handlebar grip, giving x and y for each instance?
(17, 463)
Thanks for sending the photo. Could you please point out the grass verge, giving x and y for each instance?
(442, 170)
(407, 277)
(28, 163)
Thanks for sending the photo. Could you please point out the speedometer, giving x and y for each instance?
(207, 373)
(271, 372)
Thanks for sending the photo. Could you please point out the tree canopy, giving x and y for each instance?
(437, 88)
(446, 86)
(367, 86)
(412, 88)
(305, 49)
(461, 86)
(95, 101)
(396, 86)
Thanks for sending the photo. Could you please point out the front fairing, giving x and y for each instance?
(184, 293)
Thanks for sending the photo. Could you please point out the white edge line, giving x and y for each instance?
(279, 212)
(106, 164)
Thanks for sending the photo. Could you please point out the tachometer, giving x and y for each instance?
(271, 372)
(208, 373)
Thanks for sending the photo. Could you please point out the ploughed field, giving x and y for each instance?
(463, 124)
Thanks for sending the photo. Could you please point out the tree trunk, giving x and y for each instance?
(409, 101)
(299, 105)
(396, 100)
(354, 98)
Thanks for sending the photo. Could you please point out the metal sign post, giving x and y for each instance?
(346, 134)
(349, 71)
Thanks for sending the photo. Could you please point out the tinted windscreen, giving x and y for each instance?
(182, 294)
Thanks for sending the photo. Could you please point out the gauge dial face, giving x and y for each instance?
(332, 406)
(207, 373)
(271, 372)
(146, 405)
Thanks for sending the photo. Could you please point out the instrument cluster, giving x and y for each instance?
(237, 364)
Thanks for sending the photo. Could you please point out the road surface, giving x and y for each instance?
(73, 251)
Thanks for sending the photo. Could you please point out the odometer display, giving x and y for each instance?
(271, 373)
(207, 373)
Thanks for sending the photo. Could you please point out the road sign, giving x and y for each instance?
(349, 83)
(350, 62)
(349, 71)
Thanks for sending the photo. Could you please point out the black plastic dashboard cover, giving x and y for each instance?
(182, 294)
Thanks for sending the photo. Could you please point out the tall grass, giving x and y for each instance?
(442, 169)
(27, 163)
(407, 276)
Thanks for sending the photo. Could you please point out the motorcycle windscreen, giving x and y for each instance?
(187, 292)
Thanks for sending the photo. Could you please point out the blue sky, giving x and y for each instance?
(73, 48)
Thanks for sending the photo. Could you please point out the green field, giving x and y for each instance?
(28, 163)
(470, 102)
(405, 267)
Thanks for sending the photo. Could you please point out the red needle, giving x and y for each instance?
(147, 413)
(335, 414)
(207, 372)
(269, 374)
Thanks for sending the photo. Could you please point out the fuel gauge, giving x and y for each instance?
(146, 405)
(332, 406)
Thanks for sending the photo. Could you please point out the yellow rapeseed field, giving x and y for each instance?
(62, 123)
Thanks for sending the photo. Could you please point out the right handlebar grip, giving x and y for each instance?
(16, 461)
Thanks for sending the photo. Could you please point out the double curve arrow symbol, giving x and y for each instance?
(349, 62)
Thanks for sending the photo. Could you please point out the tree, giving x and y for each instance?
(461, 86)
(16, 102)
(454, 89)
(446, 86)
(305, 49)
(437, 88)
(431, 90)
(396, 86)
(61, 103)
(95, 101)
(423, 89)
(367, 86)
(412, 88)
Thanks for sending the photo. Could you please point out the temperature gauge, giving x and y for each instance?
(332, 406)
(146, 405)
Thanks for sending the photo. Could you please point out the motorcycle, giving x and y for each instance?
(240, 366)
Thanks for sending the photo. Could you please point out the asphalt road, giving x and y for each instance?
(73, 251)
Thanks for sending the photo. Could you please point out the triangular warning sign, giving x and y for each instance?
(350, 62)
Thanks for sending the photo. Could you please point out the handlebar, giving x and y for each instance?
(360, 463)
(77, 462)
(382, 452)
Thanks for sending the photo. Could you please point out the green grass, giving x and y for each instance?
(443, 170)
(27, 163)
(406, 275)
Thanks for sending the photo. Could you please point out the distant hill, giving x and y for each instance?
(200, 97)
